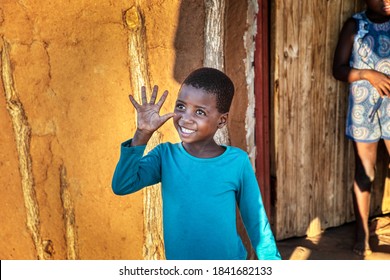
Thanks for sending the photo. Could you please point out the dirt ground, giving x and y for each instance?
(336, 243)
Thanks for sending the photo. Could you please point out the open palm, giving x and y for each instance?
(148, 113)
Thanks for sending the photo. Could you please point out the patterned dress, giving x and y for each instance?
(371, 50)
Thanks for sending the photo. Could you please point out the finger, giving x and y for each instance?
(383, 91)
(143, 95)
(382, 94)
(166, 117)
(386, 90)
(154, 94)
(134, 102)
(162, 99)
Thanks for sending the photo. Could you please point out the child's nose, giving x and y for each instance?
(185, 118)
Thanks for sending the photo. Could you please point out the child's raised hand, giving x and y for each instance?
(148, 115)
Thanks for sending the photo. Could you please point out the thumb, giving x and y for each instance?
(166, 117)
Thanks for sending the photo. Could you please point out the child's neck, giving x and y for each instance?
(376, 18)
(202, 150)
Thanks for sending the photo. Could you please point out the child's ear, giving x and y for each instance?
(223, 120)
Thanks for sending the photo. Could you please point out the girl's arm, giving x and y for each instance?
(341, 69)
(343, 72)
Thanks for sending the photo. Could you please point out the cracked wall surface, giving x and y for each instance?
(22, 132)
(67, 65)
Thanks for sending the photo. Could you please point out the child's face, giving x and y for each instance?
(381, 7)
(197, 118)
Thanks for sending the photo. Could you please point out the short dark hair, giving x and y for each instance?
(215, 82)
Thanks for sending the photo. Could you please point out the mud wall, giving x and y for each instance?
(64, 111)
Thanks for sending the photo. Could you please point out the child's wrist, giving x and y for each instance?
(141, 137)
(363, 74)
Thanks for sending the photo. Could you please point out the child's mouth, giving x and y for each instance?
(186, 130)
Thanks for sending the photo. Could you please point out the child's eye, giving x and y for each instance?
(201, 112)
(180, 107)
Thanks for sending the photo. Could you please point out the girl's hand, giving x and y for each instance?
(148, 115)
(380, 81)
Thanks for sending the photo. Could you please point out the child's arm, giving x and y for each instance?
(341, 68)
(254, 216)
(148, 117)
(133, 170)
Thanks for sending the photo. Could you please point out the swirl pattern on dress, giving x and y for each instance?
(358, 114)
(358, 132)
(366, 46)
(382, 27)
(360, 92)
(383, 66)
(384, 46)
(387, 109)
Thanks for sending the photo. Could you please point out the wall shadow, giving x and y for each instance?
(189, 40)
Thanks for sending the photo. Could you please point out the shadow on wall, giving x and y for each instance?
(189, 39)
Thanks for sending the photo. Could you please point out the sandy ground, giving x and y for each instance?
(336, 243)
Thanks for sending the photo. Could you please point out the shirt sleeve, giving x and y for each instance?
(135, 171)
(254, 216)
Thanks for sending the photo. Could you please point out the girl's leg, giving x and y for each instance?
(365, 160)
(387, 143)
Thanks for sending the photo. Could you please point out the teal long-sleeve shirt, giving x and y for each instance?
(199, 198)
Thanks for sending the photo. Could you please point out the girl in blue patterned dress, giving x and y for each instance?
(362, 58)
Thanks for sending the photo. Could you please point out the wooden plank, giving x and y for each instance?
(214, 36)
(286, 78)
(336, 131)
(313, 104)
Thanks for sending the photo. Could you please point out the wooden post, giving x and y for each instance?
(139, 75)
(214, 48)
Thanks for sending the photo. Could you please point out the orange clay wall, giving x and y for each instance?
(64, 111)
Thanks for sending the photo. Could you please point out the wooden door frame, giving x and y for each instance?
(261, 87)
